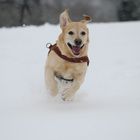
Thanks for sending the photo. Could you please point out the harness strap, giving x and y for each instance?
(62, 78)
(73, 60)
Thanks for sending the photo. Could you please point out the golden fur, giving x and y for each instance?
(68, 70)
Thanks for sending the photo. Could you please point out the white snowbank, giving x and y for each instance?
(107, 107)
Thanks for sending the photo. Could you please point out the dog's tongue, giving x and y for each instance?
(76, 50)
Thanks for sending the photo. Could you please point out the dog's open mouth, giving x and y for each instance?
(75, 49)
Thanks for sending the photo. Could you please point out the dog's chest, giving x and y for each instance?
(70, 71)
(67, 70)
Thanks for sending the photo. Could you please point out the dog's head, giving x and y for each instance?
(75, 34)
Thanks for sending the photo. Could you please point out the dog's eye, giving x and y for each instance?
(70, 33)
(83, 33)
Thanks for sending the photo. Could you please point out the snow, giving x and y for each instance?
(107, 106)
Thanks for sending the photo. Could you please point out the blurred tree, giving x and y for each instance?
(6, 1)
(127, 11)
(24, 7)
(37, 12)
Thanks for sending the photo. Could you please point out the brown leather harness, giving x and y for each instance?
(56, 49)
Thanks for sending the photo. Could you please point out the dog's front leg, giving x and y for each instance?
(50, 81)
(69, 94)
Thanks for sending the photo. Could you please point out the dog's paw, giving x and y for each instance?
(67, 98)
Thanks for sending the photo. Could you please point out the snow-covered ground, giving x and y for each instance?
(107, 107)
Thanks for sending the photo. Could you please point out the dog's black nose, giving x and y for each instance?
(78, 42)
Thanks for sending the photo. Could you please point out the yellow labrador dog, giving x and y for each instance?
(67, 59)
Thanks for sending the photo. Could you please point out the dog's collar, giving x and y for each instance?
(73, 60)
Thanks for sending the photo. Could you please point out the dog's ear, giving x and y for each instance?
(64, 19)
(86, 19)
